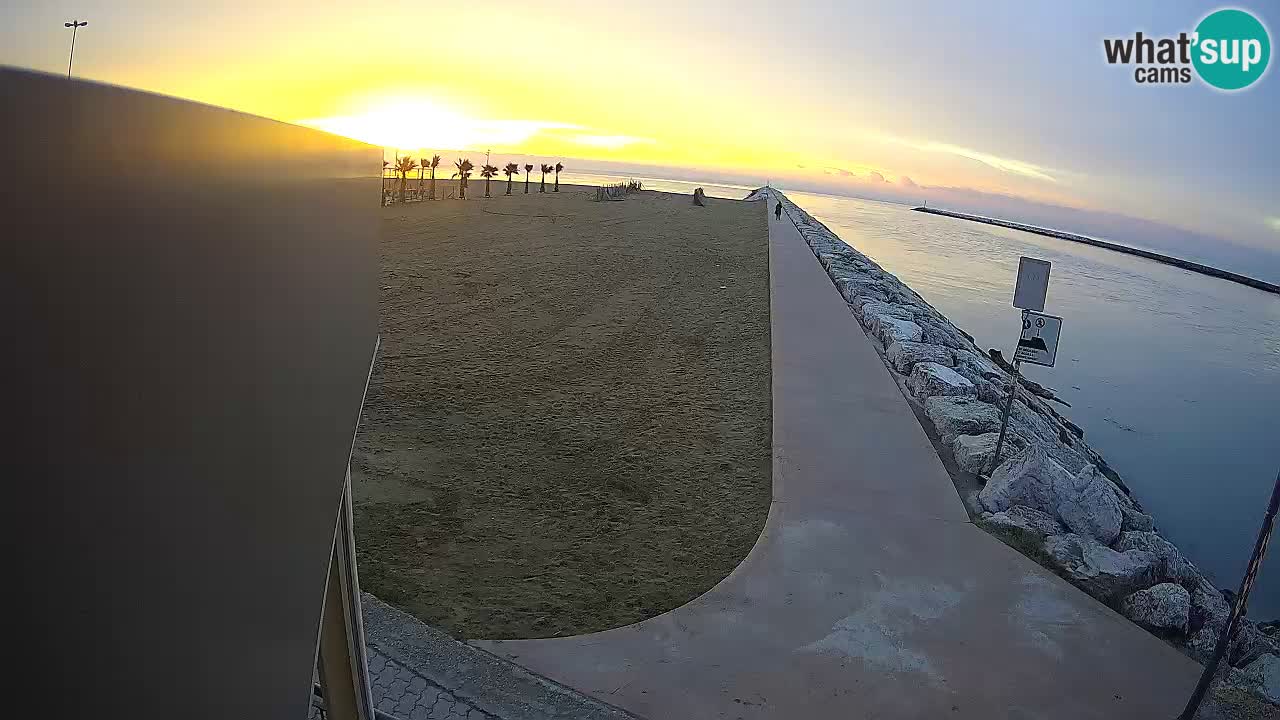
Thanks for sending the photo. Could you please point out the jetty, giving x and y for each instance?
(870, 593)
(1116, 247)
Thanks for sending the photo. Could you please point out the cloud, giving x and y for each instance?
(877, 176)
(907, 182)
(1274, 222)
(1003, 164)
(609, 142)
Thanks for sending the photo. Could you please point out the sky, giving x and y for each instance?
(998, 107)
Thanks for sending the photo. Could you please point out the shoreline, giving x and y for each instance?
(1051, 497)
(1189, 265)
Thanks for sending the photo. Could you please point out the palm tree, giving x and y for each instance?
(404, 166)
(510, 169)
(464, 172)
(488, 172)
(422, 166)
(545, 169)
(435, 163)
(527, 169)
(559, 167)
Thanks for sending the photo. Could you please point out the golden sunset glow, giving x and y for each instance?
(841, 97)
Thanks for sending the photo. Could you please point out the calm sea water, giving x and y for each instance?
(1174, 376)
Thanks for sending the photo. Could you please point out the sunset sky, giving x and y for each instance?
(1010, 99)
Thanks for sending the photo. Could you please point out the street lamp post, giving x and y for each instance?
(74, 25)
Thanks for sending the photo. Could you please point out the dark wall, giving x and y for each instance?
(190, 315)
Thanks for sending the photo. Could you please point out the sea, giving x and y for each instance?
(1174, 376)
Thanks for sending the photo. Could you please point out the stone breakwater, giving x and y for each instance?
(1051, 496)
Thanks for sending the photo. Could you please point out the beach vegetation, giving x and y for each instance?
(435, 163)
(510, 170)
(404, 166)
(545, 169)
(488, 172)
(463, 174)
(527, 169)
(559, 167)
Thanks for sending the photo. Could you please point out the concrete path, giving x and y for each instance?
(869, 594)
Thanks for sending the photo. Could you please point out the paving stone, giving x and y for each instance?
(442, 710)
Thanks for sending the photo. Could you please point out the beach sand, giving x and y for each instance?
(568, 428)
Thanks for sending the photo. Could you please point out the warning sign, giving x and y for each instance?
(1039, 342)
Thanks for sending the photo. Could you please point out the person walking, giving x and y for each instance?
(777, 211)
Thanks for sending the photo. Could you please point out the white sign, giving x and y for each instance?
(1039, 342)
(1033, 284)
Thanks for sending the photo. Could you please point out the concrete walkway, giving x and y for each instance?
(869, 594)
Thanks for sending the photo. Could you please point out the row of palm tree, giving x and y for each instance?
(405, 165)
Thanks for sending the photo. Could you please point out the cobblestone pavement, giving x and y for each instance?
(406, 695)
(401, 692)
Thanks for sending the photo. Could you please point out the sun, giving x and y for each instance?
(417, 123)
(405, 123)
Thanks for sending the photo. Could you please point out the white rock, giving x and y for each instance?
(1173, 566)
(890, 329)
(990, 392)
(1032, 424)
(930, 378)
(1067, 457)
(954, 416)
(1087, 506)
(980, 364)
(1025, 519)
(860, 302)
(851, 288)
(1207, 604)
(1265, 673)
(973, 453)
(1251, 643)
(940, 332)
(1166, 606)
(1030, 478)
(886, 309)
(1099, 570)
(904, 355)
(1200, 644)
(1135, 519)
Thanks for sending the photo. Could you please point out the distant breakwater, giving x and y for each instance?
(1166, 259)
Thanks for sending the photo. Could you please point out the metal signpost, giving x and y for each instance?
(1241, 606)
(1038, 343)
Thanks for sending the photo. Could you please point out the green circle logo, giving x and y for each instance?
(1232, 49)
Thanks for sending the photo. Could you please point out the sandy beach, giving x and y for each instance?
(568, 428)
